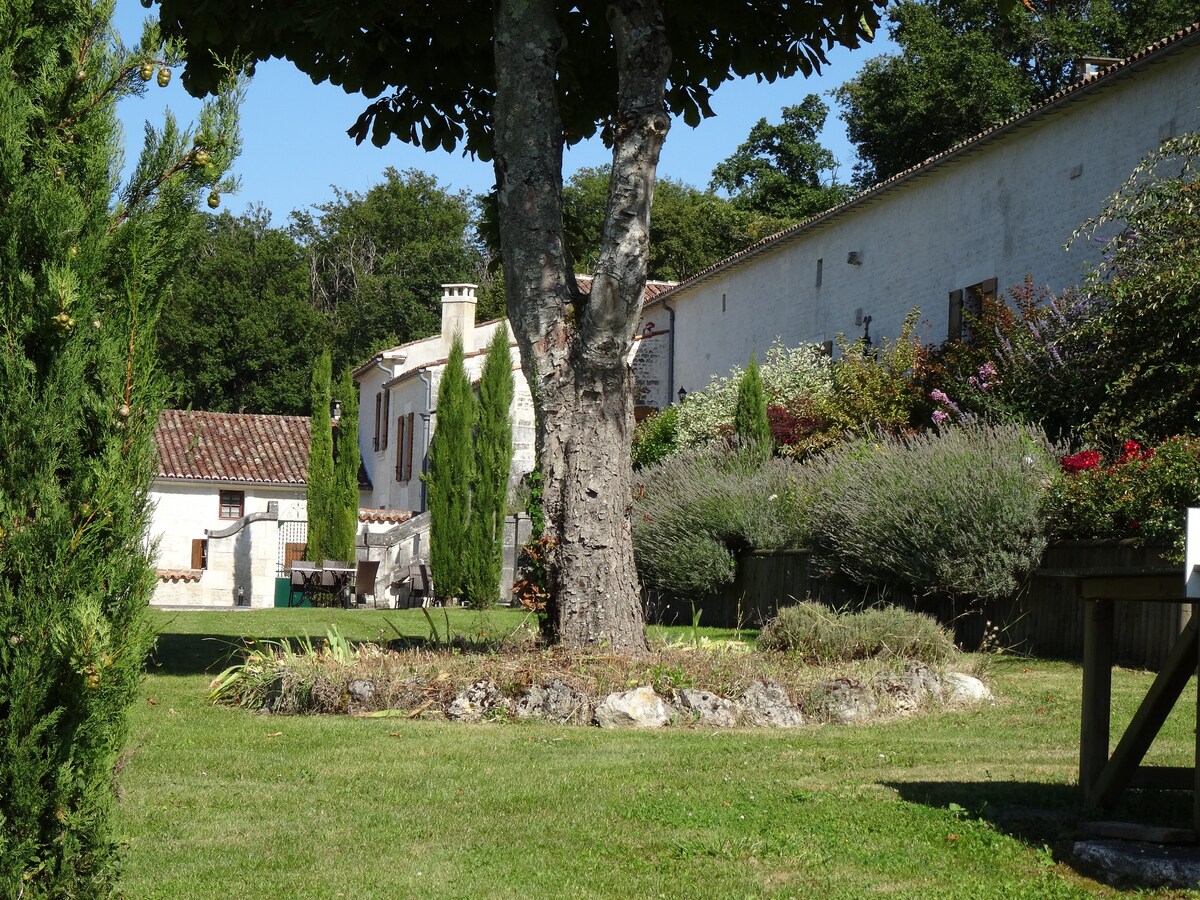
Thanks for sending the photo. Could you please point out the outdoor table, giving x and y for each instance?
(343, 583)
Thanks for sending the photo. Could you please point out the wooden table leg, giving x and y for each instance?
(1097, 693)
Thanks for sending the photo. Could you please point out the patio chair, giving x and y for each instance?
(429, 598)
(305, 577)
(420, 584)
(364, 581)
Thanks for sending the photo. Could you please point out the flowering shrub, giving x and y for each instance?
(956, 511)
(1142, 494)
(791, 378)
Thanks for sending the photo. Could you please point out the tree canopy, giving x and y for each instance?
(516, 81)
(782, 170)
(965, 65)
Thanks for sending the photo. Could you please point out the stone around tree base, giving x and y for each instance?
(1144, 865)
(846, 701)
(556, 701)
(766, 703)
(708, 708)
(474, 702)
(639, 708)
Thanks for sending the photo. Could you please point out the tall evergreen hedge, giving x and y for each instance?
(750, 421)
(320, 466)
(84, 267)
(344, 509)
(493, 461)
(451, 471)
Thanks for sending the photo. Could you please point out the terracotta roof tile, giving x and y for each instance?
(653, 288)
(177, 575)
(234, 447)
(384, 516)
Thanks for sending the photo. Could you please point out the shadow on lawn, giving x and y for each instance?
(1046, 814)
(208, 654)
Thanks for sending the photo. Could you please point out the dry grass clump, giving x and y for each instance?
(828, 636)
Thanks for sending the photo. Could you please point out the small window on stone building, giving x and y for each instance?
(966, 306)
(232, 504)
(378, 412)
(820, 271)
(400, 422)
(387, 404)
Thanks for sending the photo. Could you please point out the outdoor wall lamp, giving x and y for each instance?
(682, 393)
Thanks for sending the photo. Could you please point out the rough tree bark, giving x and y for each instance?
(574, 349)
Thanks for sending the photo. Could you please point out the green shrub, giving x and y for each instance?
(655, 437)
(823, 635)
(1141, 495)
(694, 512)
(956, 512)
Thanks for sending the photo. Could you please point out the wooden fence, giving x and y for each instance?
(1044, 619)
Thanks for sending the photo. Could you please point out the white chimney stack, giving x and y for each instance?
(458, 314)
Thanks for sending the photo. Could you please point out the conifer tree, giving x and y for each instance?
(750, 421)
(344, 508)
(84, 266)
(493, 460)
(451, 471)
(320, 466)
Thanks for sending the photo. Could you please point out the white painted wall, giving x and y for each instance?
(1001, 210)
(248, 560)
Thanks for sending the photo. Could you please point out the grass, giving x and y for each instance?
(972, 804)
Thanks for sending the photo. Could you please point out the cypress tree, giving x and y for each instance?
(320, 466)
(84, 267)
(451, 470)
(345, 500)
(750, 421)
(493, 460)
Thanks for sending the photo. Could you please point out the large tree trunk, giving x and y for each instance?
(574, 350)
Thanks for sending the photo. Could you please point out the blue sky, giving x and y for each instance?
(295, 148)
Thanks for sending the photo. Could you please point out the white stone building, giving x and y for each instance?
(978, 217)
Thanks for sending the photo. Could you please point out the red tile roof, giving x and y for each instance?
(233, 447)
(653, 288)
(177, 575)
(384, 516)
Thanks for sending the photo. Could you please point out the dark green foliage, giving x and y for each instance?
(240, 334)
(493, 461)
(84, 267)
(956, 512)
(451, 471)
(690, 229)
(380, 258)
(750, 421)
(827, 636)
(779, 170)
(321, 488)
(968, 64)
(344, 508)
(655, 437)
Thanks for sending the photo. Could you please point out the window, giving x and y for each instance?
(378, 411)
(387, 403)
(407, 445)
(820, 271)
(232, 504)
(966, 305)
(199, 553)
(400, 422)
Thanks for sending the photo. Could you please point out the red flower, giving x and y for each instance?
(1081, 461)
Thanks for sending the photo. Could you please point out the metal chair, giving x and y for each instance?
(364, 581)
(305, 578)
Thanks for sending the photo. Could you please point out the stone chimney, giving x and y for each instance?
(458, 314)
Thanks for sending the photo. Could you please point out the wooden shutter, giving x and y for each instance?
(400, 448)
(387, 412)
(291, 553)
(954, 332)
(199, 553)
(408, 447)
(378, 405)
(988, 288)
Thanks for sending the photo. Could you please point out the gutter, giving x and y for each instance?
(670, 355)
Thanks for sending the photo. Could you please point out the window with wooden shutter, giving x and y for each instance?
(973, 299)
(387, 412)
(408, 447)
(291, 553)
(199, 553)
(400, 448)
(954, 332)
(378, 410)
(232, 504)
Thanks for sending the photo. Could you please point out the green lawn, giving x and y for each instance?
(967, 804)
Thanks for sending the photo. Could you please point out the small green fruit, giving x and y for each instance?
(146, 71)
(201, 158)
(80, 75)
(214, 200)
(164, 76)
